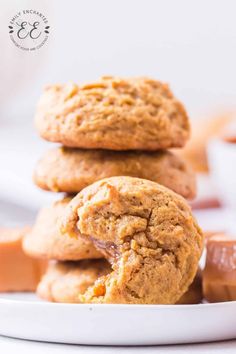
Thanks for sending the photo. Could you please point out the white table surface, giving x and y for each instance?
(10, 345)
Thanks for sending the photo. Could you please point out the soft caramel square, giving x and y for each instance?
(18, 272)
(219, 275)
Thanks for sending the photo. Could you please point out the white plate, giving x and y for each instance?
(24, 316)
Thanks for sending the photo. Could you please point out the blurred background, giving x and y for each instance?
(189, 44)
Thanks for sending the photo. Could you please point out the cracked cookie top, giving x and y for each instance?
(148, 234)
(113, 113)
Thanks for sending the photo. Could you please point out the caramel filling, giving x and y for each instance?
(108, 248)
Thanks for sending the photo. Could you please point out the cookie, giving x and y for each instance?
(45, 239)
(113, 113)
(65, 281)
(148, 234)
(194, 293)
(70, 170)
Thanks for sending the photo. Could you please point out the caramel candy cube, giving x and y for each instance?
(18, 272)
(219, 275)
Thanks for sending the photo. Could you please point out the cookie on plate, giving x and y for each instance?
(146, 231)
(46, 241)
(65, 281)
(70, 170)
(113, 113)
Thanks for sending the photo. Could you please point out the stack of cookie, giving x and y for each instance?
(113, 127)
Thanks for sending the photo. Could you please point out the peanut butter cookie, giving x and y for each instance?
(45, 239)
(65, 281)
(113, 113)
(70, 170)
(148, 234)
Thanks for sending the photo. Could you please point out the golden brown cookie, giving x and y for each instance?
(194, 293)
(70, 170)
(45, 239)
(146, 231)
(113, 113)
(65, 281)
